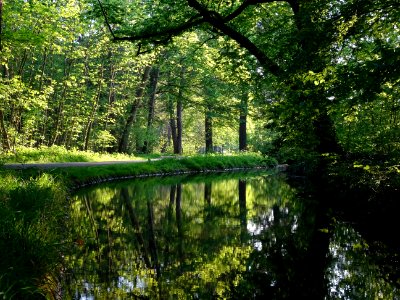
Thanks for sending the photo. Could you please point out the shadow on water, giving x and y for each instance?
(241, 236)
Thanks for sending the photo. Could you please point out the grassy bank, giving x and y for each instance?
(34, 207)
(168, 166)
(32, 233)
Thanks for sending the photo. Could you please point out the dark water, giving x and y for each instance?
(238, 236)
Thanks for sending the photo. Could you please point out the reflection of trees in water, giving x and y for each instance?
(291, 260)
(242, 210)
(249, 238)
(359, 270)
(154, 236)
(305, 252)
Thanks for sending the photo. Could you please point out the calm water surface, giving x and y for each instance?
(237, 236)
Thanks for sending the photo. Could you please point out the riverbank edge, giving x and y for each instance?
(33, 200)
(176, 173)
(75, 178)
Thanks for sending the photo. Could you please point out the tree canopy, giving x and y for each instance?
(299, 77)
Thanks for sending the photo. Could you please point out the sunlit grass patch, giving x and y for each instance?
(167, 166)
(60, 154)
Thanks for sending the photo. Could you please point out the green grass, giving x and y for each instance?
(33, 211)
(167, 166)
(32, 226)
(60, 154)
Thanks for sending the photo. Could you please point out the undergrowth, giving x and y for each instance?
(32, 230)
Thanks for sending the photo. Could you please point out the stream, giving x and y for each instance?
(224, 236)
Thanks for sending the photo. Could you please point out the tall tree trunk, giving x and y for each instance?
(41, 127)
(89, 124)
(310, 58)
(4, 136)
(172, 125)
(60, 111)
(124, 141)
(325, 132)
(111, 97)
(175, 124)
(208, 130)
(167, 133)
(243, 124)
(154, 74)
(43, 67)
(179, 107)
(59, 115)
(21, 67)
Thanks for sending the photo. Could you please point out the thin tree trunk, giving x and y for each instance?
(4, 136)
(93, 113)
(59, 115)
(208, 131)
(60, 110)
(111, 97)
(172, 125)
(179, 149)
(43, 67)
(154, 74)
(243, 124)
(22, 63)
(123, 144)
(167, 142)
(179, 108)
(326, 134)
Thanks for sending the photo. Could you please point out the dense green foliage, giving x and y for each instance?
(63, 82)
(32, 235)
(309, 75)
(304, 79)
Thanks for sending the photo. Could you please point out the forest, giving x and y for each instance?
(308, 86)
(287, 78)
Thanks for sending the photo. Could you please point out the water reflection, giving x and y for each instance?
(242, 237)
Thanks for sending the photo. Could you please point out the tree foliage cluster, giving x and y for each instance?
(314, 76)
(65, 83)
